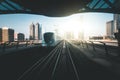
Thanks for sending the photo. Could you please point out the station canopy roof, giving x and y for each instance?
(58, 8)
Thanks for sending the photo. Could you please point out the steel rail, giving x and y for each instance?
(54, 55)
(52, 59)
(73, 65)
(57, 61)
(38, 63)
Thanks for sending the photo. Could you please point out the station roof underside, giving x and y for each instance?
(58, 8)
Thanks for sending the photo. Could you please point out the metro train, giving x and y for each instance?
(49, 37)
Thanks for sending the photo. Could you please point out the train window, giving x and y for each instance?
(62, 42)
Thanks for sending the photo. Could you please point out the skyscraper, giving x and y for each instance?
(7, 34)
(57, 34)
(110, 28)
(40, 32)
(116, 22)
(69, 35)
(35, 32)
(32, 32)
(81, 35)
(20, 37)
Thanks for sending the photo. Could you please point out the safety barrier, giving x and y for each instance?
(86, 43)
(104, 44)
(16, 45)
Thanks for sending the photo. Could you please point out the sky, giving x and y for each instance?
(93, 24)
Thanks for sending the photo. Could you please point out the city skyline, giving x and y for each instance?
(95, 23)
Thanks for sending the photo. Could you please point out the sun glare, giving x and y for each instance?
(79, 26)
(74, 26)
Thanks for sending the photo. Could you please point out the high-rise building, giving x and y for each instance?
(116, 22)
(41, 32)
(110, 28)
(57, 34)
(69, 35)
(20, 37)
(38, 32)
(32, 32)
(35, 32)
(80, 35)
(0, 34)
(7, 34)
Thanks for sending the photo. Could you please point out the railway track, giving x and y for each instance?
(66, 62)
(57, 65)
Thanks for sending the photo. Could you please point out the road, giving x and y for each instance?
(65, 61)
